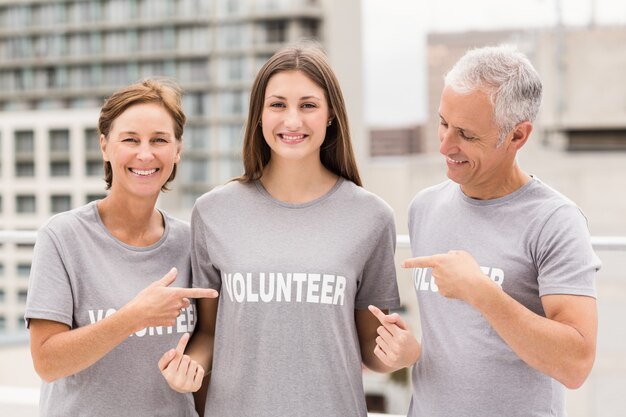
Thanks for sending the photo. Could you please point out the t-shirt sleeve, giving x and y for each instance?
(378, 285)
(205, 275)
(49, 288)
(567, 263)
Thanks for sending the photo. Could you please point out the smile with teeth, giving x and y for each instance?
(292, 138)
(143, 172)
(454, 161)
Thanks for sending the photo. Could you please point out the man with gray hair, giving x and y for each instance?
(504, 268)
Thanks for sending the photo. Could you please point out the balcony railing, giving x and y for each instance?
(24, 400)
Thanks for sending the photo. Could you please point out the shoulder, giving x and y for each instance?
(365, 199)
(545, 200)
(179, 229)
(433, 193)
(225, 193)
(69, 220)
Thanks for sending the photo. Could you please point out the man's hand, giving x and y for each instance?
(456, 273)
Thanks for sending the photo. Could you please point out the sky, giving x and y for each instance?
(394, 36)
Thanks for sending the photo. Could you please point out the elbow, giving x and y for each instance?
(575, 376)
(45, 372)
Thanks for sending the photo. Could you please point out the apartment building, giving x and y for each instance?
(59, 59)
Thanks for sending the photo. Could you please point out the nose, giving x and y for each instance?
(145, 152)
(293, 121)
(449, 144)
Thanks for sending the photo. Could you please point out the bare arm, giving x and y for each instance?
(58, 352)
(561, 345)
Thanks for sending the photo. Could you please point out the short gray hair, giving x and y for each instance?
(506, 76)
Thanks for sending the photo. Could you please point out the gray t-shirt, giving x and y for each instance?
(290, 278)
(81, 274)
(532, 242)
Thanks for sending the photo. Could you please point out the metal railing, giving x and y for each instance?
(617, 243)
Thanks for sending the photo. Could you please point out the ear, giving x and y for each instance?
(521, 133)
(179, 149)
(103, 148)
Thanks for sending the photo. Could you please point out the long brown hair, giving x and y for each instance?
(336, 153)
(162, 91)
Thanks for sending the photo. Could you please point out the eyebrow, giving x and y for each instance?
(285, 98)
(130, 132)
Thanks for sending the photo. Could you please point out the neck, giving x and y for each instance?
(297, 181)
(501, 187)
(134, 221)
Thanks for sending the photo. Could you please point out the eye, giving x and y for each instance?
(130, 140)
(160, 140)
(309, 106)
(277, 105)
(443, 123)
(465, 136)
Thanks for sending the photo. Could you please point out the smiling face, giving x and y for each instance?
(295, 116)
(469, 141)
(142, 150)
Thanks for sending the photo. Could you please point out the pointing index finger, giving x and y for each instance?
(198, 292)
(419, 262)
(388, 321)
(182, 343)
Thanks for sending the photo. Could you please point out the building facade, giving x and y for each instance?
(59, 60)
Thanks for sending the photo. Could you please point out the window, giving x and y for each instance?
(60, 168)
(115, 43)
(233, 103)
(193, 39)
(3, 323)
(92, 141)
(193, 104)
(117, 10)
(197, 138)
(230, 168)
(94, 197)
(1, 295)
(94, 168)
(59, 140)
(193, 71)
(231, 137)
(310, 29)
(1, 270)
(60, 203)
(25, 169)
(21, 296)
(25, 142)
(157, 39)
(232, 36)
(195, 171)
(116, 75)
(25, 203)
(276, 31)
(23, 270)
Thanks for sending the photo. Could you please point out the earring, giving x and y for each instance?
(330, 122)
(260, 124)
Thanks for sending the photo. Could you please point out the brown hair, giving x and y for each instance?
(336, 153)
(164, 92)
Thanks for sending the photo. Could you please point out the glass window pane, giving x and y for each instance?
(59, 203)
(25, 203)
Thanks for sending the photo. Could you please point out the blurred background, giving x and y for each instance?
(59, 59)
